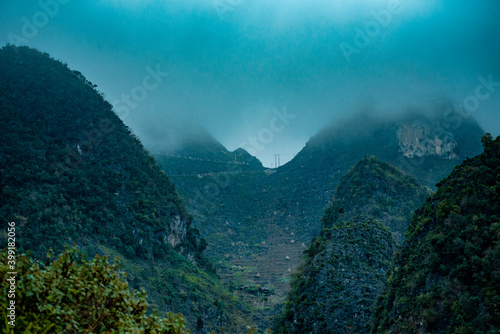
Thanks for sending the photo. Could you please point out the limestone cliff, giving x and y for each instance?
(417, 139)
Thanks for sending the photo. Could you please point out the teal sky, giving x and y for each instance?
(232, 64)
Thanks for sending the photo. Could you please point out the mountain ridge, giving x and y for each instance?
(201, 153)
(72, 173)
(445, 278)
(344, 268)
(254, 218)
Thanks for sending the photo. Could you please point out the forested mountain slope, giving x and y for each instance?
(258, 222)
(380, 190)
(446, 277)
(72, 172)
(344, 268)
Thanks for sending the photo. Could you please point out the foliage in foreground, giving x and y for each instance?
(71, 294)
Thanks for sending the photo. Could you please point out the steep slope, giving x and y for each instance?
(378, 189)
(344, 268)
(427, 145)
(72, 172)
(335, 289)
(258, 223)
(446, 277)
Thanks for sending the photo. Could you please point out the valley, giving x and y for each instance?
(376, 216)
(259, 222)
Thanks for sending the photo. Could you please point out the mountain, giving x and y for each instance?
(72, 173)
(380, 190)
(446, 278)
(198, 152)
(258, 222)
(425, 144)
(334, 289)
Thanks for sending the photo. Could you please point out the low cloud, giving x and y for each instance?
(229, 73)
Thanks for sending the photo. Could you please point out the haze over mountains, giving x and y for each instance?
(221, 237)
(259, 222)
(229, 73)
(326, 166)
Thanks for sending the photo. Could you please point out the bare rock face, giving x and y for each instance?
(177, 229)
(417, 139)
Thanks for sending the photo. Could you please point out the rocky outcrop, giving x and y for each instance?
(177, 231)
(418, 139)
(338, 287)
(345, 267)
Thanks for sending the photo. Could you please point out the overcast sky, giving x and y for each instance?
(267, 74)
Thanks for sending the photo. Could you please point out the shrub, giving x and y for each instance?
(71, 294)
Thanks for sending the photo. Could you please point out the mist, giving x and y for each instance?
(268, 75)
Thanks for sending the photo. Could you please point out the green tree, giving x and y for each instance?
(71, 294)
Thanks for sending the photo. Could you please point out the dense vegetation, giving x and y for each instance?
(380, 190)
(344, 268)
(446, 277)
(334, 290)
(72, 172)
(70, 294)
(70, 169)
(259, 222)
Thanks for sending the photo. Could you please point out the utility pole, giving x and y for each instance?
(277, 160)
